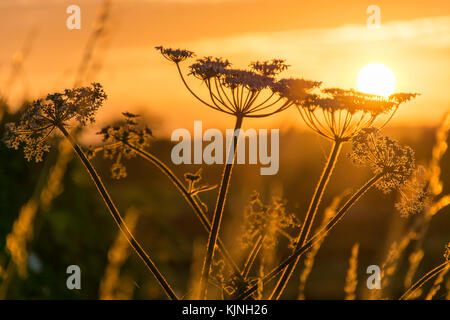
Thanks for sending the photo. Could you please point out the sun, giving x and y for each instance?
(376, 78)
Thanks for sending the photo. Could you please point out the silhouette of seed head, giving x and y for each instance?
(252, 81)
(175, 55)
(339, 114)
(295, 90)
(254, 92)
(119, 141)
(269, 68)
(209, 67)
(42, 116)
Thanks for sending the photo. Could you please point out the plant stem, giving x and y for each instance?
(118, 218)
(252, 256)
(192, 202)
(217, 218)
(318, 236)
(309, 218)
(190, 90)
(430, 275)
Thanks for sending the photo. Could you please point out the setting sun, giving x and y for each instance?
(376, 78)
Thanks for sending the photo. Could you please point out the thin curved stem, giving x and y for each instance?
(214, 98)
(310, 216)
(190, 199)
(218, 85)
(190, 90)
(283, 107)
(118, 218)
(318, 236)
(217, 218)
(430, 275)
(262, 103)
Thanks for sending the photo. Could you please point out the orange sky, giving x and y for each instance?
(321, 40)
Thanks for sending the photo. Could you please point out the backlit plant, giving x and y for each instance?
(255, 92)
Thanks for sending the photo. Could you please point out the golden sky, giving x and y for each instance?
(322, 40)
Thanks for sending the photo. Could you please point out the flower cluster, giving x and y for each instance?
(339, 114)
(209, 67)
(41, 117)
(175, 55)
(414, 194)
(267, 221)
(334, 99)
(235, 78)
(120, 141)
(295, 90)
(253, 92)
(269, 68)
(384, 156)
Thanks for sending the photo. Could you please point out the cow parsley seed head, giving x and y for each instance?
(209, 67)
(42, 116)
(414, 196)
(118, 170)
(295, 90)
(129, 131)
(339, 114)
(383, 155)
(333, 99)
(254, 92)
(269, 68)
(175, 55)
(252, 81)
(119, 139)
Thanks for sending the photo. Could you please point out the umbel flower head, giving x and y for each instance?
(119, 139)
(414, 194)
(175, 55)
(268, 221)
(41, 117)
(339, 114)
(383, 156)
(253, 92)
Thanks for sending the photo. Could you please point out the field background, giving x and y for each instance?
(321, 41)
